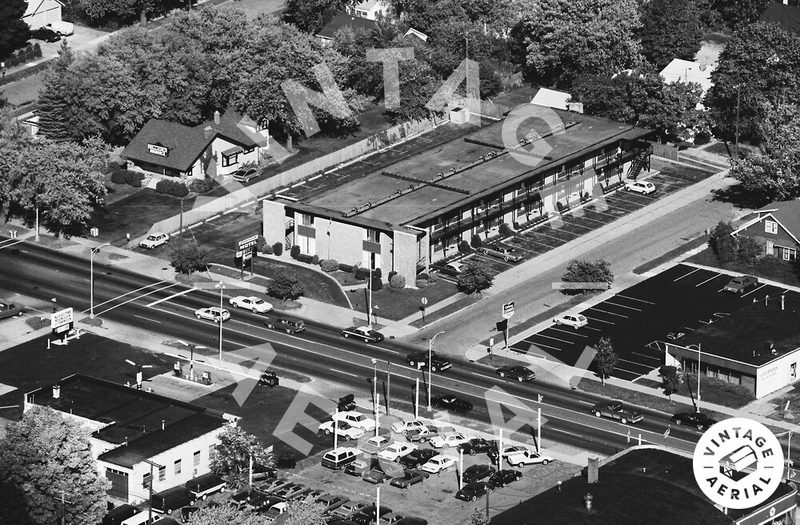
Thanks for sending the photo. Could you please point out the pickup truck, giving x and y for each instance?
(10, 310)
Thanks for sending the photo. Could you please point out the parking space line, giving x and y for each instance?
(590, 328)
(637, 374)
(607, 312)
(568, 332)
(647, 356)
(686, 275)
(754, 290)
(598, 320)
(537, 345)
(709, 279)
(553, 338)
(632, 362)
(623, 306)
(634, 299)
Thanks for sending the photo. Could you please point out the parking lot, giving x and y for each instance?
(679, 300)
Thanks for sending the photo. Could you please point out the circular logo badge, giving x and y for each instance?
(738, 463)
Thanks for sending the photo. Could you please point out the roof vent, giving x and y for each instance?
(216, 117)
(207, 132)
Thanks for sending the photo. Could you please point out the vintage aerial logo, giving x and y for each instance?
(738, 463)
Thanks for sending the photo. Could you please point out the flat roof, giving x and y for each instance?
(749, 334)
(132, 416)
(409, 191)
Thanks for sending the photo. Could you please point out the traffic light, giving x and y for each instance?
(502, 325)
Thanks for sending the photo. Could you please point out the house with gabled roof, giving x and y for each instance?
(777, 227)
(39, 13)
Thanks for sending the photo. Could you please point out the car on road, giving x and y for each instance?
(245, 174)
(439, 463)
(450, 439)
(332, 501)
(356, 419)
(409, 477)
(363, 332)
(503, 477)
(616, 410)
(473, 491)
(698, 420)
(451, 403)
(47, 35)
(252, 303)
(348, 509)
(343, 430)
(641, 186)
(477, 473)
(213, 313)
(375, 476)
(417, 458)
(516, 373)
(502, 255)
(10, 310)
(397, 450)
(741, 284)
(574, 320)
(282, 324)
(375, 444)
(527, 457)
(419, 360)
(154, 240)
(476, 445)
(401, 427)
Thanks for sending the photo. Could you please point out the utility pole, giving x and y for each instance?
(150, 487)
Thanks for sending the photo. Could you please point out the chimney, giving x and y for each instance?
(216, 117)
(593, 472)
(56, 391)
(207, 132)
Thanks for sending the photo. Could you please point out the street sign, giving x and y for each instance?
(248, 254)
(508, 310)
(239, 254)
(247, 242)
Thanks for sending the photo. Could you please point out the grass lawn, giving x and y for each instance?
(670, 255)
(126, 215)
(767, 267)
(318, 285)
(657, 400)
(447, 310)
(721, 148)
(397, 304)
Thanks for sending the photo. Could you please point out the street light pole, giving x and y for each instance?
(92, 253)
(388, 385)
(221, 288)
(430, 357)
(789, 457)
(375, 390)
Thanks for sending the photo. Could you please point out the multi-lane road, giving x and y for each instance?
(167, 308)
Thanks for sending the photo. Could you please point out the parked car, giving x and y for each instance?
(417, 457)
(172, 499)
(140, 518)
(391, 518)
(165, 521)
(473, 491)
(475, 445)
(272, 485)
(375, 476)
(410, 520)
(243, 497)
(348, 509)
(401, 427)
(419, 360)
(363, 332)
(245, 174)
(453, 269)
(154, 240)
(45, 34)
(213, 313)
(359, 467)
(343, 429)
(477, 473)
(574, 320)
(450, 439)
(274, 511)
(427, 433)
(332, 501)
(62, 28)
(451, 403)
(509, 450)
(338, 458)
(252, 303)
(409, 477)
(641, 186)
(118, 514)
(356, 419)
(616, 410)
(741, 284)
(290, 490)
(397, 450)
(505, 256)
(698, 420)
(186, 513)
(368, 514)
(264, 502)
(290, 326)
(11, 310)
(375, 444)
(517, 373)
(501, 478)
(527, 457)
(206, 484)
(438, 463)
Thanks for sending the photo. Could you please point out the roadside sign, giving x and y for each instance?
(508, 310)
(247, 242)
(239, 254)
(61, 321)
(424, 301)
(247, 255)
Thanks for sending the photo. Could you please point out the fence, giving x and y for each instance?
(667, 151)
(242, 196)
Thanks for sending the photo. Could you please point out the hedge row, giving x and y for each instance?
(22, 56)
(172, 187)
(123, 176)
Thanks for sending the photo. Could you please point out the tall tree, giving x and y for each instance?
(474, 277)
(233, 453)
(478, 517)
(670, 380)
(310, 15)
(722, 243)
(670, 29)
(739, 13)
(14, 33)
(285, 285)
(55, 118)
(224, 515)
(304, 513)
(606, 358)
(45, 457)
(122, 9)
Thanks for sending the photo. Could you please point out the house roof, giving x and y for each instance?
(368, 5)
(141, 423)
(787, 213)
(687, 71)
(551, 98)
(419, 34)
(786, 16)
(341, 20)
(35, 6)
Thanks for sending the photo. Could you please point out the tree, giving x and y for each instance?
(587, 276)
(474, 277)
(188, 259)
(44, 457)
(722, 243)
(670, 29)
(418, 83)
(123, 10)
(224, 515)
(739, 13)
(749, 250)
(309, 15)
(606, 358)
(567, 38)
(14, 33)
(55, 112)
(285, 285)
(478, 517)
(670, 380)
(304, 513)
(232, 455)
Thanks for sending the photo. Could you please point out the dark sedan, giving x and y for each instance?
(476, 445)
(693, 419)
(45, 34)
(473, 491)
(477, 473)
(518, 373)
(375, 476)
(417, 458)
(368, 514)
(409, 477)
(501, 478)
(451, 403)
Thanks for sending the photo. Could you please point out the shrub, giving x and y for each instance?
(505, 230)
(172, 187)
(277, 248)
(285, 285)
(770, 266)
(113, 166)
(463, 247)
(136, 181)
(377, 273)
(37, 50)
(748, 250)
(474, 277)
(722, 243)
(305, 258)
(362, 274)
(188, 259)
(397, 281)
(421, 283)
(476, 241)
(295, 252)
(392, 274)
(30, 54)
(590, 273)
(315, 259)
(377, 284)
(202, 185)
(329, 265)
(516, 226)
(118, 176)
(260, 243)
(267, 248)
(346, 268)
(423, 275)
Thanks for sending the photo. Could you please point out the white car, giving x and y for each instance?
(153, 240)
(641, 186)
(356, 419)
(401, 427)
(254, 304)
(451, 439)
(213, 313)
(574, 320)
(343, 430)
(527, 457)
(375, 444)
(397, 450)
(438, 463)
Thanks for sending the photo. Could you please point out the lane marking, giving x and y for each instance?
(685, 275)
(128, 293)
(343, 372)
(143, 317)
(134, 299)
(171, 297)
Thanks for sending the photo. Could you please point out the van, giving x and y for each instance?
(140, 518)
(117, 515)
(172, 499)
(202, 486)
(62, 28)
(337, 458)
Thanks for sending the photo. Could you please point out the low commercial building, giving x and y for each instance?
(131, 428)
(757, 347)
(416, 211)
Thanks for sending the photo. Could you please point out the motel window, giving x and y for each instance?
(230, 160)
(770, 226)
(196, 458)
(177, 466)
(306, 219)
(372, 235)
(146, 480)
(162, 473)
